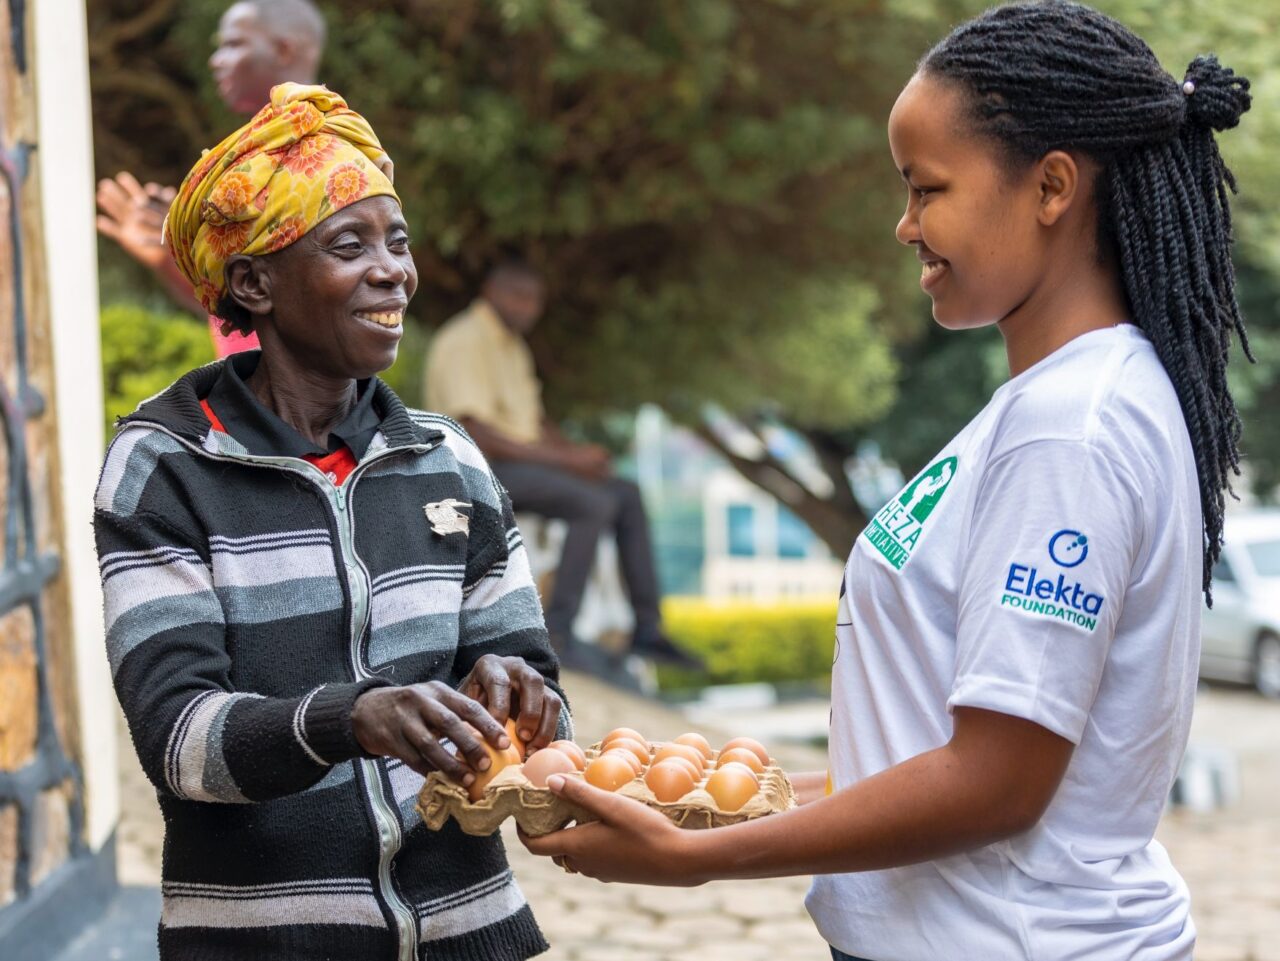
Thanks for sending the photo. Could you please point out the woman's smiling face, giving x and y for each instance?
(337, 296)
(973, 223)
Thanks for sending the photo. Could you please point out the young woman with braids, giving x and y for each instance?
(1018, 638)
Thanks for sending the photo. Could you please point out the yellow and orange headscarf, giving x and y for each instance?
(303, 157)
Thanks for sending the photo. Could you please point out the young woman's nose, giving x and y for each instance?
(908, 229)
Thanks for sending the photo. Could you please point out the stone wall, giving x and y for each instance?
(41, 798)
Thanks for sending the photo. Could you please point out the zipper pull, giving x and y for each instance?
(341, 495)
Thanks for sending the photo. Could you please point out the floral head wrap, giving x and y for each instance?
(303, 157)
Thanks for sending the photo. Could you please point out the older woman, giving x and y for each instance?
(312, 592)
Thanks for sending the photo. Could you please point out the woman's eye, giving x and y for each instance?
(399, 243)
(349, 247)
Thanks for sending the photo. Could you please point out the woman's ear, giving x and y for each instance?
(249, 284)
(1059, 185)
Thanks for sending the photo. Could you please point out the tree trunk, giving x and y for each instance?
(836, 520)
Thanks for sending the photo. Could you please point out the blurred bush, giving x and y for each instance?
(144, 351)
(743, 642)
(405, 375)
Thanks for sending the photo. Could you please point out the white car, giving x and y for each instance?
(1240, 634)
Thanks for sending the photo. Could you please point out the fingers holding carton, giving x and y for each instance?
(685, 779)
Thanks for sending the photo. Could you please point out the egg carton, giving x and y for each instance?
(511, 795)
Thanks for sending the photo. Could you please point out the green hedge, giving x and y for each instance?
(144, 351)
(742, 642)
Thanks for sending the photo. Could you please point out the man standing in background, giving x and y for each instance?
(261, 43)
(481, 372)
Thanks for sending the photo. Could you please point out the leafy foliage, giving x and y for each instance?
(744, 642)
(695, 179)
(143, 352)
(706, 185)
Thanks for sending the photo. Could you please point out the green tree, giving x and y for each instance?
(706, 185)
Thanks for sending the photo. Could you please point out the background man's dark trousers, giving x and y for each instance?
(590, 508)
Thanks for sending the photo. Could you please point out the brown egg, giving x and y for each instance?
(742, 756)
(669, 780)
(641, 751)
(632, 761)
(697, 742)
(498, 760)
(752, 745)
(680, 750)
(740, 767)
(516, 741)
(618, 732)
(732, 786)
(542, 764)
(609, 772)
(684, 762)
(574, 752)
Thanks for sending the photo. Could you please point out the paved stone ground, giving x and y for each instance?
(1231, 859)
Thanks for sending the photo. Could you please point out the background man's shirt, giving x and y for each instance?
(478, 367)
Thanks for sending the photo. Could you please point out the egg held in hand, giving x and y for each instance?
(499, 760)
(542, 764)
(516, 741)
(732, 785)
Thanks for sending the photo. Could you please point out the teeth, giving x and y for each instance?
(391, 318)
(931, 268)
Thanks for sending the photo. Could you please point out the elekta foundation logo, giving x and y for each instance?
(1055, 594)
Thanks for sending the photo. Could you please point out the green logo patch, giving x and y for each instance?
(897, 526)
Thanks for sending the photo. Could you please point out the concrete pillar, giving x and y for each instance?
(66, 178)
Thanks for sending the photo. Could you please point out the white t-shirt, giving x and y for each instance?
(1046, 565)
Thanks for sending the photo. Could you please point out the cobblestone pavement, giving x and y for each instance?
(1231, 859)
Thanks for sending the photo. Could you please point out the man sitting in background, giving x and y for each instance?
(261, 43)
(480, 371)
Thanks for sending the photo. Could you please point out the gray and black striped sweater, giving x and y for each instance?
(249, 601)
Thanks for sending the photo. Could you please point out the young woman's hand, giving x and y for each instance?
(507, 684)
(410, 723)
(630, 842)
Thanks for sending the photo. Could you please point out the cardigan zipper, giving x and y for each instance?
(390, 835)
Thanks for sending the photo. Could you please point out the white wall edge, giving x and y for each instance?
(65, 159)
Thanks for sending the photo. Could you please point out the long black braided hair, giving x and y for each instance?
(1059, 75)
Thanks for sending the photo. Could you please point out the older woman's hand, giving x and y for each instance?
(507, 684)
(410, 723)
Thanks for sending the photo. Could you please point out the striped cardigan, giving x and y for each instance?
(249, 602)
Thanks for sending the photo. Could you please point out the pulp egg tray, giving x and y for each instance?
(538, 811)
